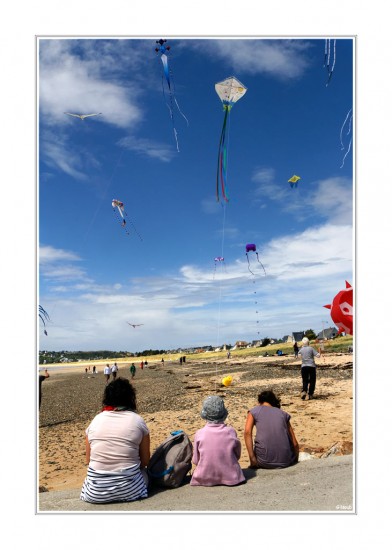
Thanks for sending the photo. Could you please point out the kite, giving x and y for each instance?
(43, 315)
(229, 91)
(227, 381)
(134, 326)
(293, 181)
(342, 310)
(349, 119)
(163, 49)
(327, 58)
(218, 260)
(118, 209)
(82, 117)
(252, 248)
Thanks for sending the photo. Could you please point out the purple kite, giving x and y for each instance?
(252, 248)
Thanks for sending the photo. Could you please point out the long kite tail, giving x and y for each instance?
(120, 220)
(222, 160)
(343, 125)
(134, 228)
(260, 263)
(249, 265)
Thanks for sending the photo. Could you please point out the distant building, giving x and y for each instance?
(297, 336)
(287, 339)
(241, 344)
(327, 333)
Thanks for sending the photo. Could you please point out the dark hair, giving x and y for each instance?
(269, 397)
(120, 393)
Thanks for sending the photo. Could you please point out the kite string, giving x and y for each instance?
(104, 195)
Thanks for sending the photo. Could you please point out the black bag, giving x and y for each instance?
(171, 461)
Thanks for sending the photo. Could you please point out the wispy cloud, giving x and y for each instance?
(283, 59)
(148, 148)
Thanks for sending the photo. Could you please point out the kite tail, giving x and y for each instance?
(249, 265)
(260, 263)
(330, 70)
(347, 152)
(133, 227)
(222, 160)
(343, 125)
(170, 107)
(179, 110)
(121, 221)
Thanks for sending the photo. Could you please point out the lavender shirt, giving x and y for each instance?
(216, 450)
(272, 442)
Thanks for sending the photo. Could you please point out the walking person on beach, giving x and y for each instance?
(296, 348)
(114, 371)
(42, 377)
(117, 449)
(275, 444)
(308, 369)
(132, 370)
(107, 371)
(142, 365)
(216, 448)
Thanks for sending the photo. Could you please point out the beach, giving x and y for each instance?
(170, 395)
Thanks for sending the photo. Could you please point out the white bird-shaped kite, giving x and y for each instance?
(82, 117)
(134, 326)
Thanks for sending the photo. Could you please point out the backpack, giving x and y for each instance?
(171, 461)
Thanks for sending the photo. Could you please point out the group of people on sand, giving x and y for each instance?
(118, 445)
(110, 371)
(118, 440)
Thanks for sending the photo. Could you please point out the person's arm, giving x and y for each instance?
(250, 422)
(293, 440)
(87, 451)
(195, 455)
(144, 451)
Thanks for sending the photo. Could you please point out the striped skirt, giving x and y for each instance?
(122, 486)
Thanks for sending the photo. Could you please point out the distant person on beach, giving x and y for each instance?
(114, 371)
(308, 369)
(275, 444)
(296, 348)
(132, 370)
(94, 370)
(228, 355)
(180, 360)
(107, 371)
(142, 365)
(162, 361)
(117, 449)
(216, 448)
(42, 377)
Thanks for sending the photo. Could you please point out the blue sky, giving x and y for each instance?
(94, 277)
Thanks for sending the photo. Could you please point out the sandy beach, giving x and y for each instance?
(169, 397)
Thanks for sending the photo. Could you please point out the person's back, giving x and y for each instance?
(272, 445)
(216, 451)
(216, 448)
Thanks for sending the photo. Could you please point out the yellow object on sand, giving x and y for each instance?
(227, 381)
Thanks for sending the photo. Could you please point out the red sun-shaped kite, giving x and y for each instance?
(342, 309)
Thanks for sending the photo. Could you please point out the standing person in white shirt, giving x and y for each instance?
(107, 371)
(114, 371)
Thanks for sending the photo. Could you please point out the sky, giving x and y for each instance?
(159, 272)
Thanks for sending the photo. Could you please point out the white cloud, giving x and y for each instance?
(283, 59)
(197, 306)
(148, 148)
(72, 78)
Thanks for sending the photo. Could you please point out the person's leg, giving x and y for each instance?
(305, 381)
(312, 380)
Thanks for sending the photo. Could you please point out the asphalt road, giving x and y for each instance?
(317, 485)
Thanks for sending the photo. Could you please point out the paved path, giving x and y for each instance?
(313, 485)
